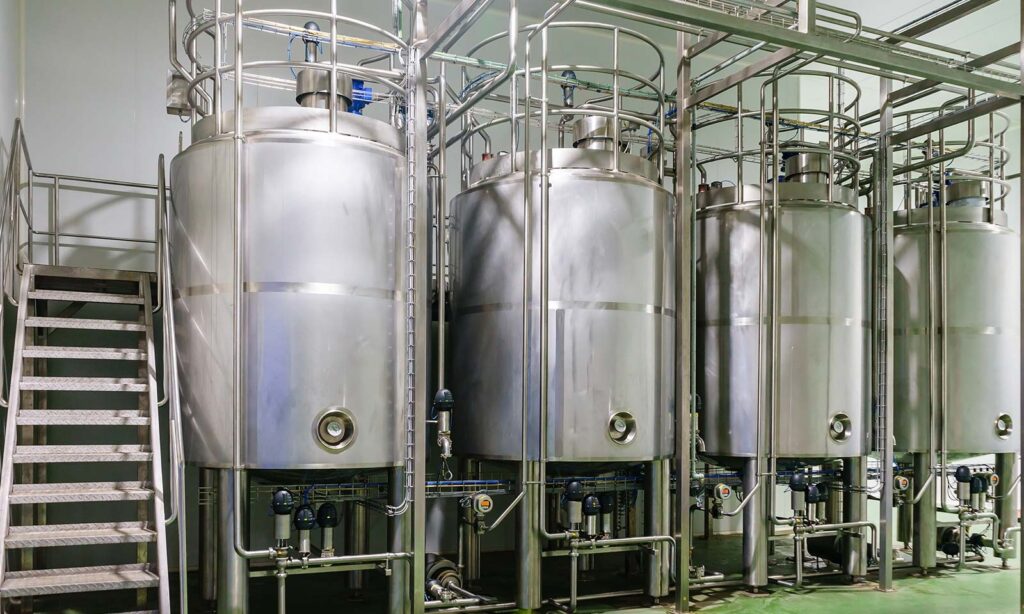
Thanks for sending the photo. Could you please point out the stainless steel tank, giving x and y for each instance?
(982, 328)
(611, 310)
(823, 320)
(322, 287)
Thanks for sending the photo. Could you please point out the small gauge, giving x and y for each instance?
(482, 503)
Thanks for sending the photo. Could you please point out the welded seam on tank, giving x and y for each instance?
(289, 287)
(587, 305)
(752, 321)
(963, 330)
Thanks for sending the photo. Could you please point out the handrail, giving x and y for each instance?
(171, 390)
(9, 241)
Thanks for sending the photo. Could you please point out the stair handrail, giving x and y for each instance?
(171, 389)
(10, 234)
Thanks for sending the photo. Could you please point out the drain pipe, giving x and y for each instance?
(237, 311)
(545, 206)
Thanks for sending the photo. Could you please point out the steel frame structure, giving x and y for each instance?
(699, 27)
(883, 56)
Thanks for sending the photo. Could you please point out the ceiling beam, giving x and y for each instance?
(818, 43)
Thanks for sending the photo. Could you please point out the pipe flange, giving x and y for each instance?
(622, 428)
(1004, 426)
(335, 429)
(840, 428)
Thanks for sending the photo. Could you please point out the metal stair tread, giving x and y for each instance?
(83, 417)
(81, 534)
(85, 297)
(85, 384)
(78, 580)
(90, 353)
(80, 492)
(82, 453)
(84, 323)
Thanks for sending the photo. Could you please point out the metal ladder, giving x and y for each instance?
(35, 415)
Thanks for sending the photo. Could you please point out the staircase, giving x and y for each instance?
(57, 393)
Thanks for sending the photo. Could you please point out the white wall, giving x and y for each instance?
(10, 72)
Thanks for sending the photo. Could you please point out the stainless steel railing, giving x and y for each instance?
(18, 229)
(20, 232)
(171, 390)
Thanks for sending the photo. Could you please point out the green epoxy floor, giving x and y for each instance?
(985, 590)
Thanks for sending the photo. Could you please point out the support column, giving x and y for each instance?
(232, 570)
(528, 545)
(208, 529)
(356, 542)
(683, 262)
(656, 522)
(924, 541)
(1020, 231)
(400, 540)
(884, 332)
(1006, 508)
(855, 509)
(755, 530)
(470, 539)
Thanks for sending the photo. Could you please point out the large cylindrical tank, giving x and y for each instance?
(982, 329)
(823, 321)
(611, 310)
(322, 290)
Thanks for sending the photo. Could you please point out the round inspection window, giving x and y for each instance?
(335, 429)
(1004, 426)
(840, 428)
(622, 427)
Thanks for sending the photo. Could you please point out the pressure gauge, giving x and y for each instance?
(482, 503)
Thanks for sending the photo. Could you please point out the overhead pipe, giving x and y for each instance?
(494, 82)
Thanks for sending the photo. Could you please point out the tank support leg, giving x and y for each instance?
(1006, 508)
(232, 570)
(356, 542)
(756, 521)
(656, 522)
(470, 539)
(208, 536)
(400, 534)
(855, 509)
(528, 546)
(924, 541)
